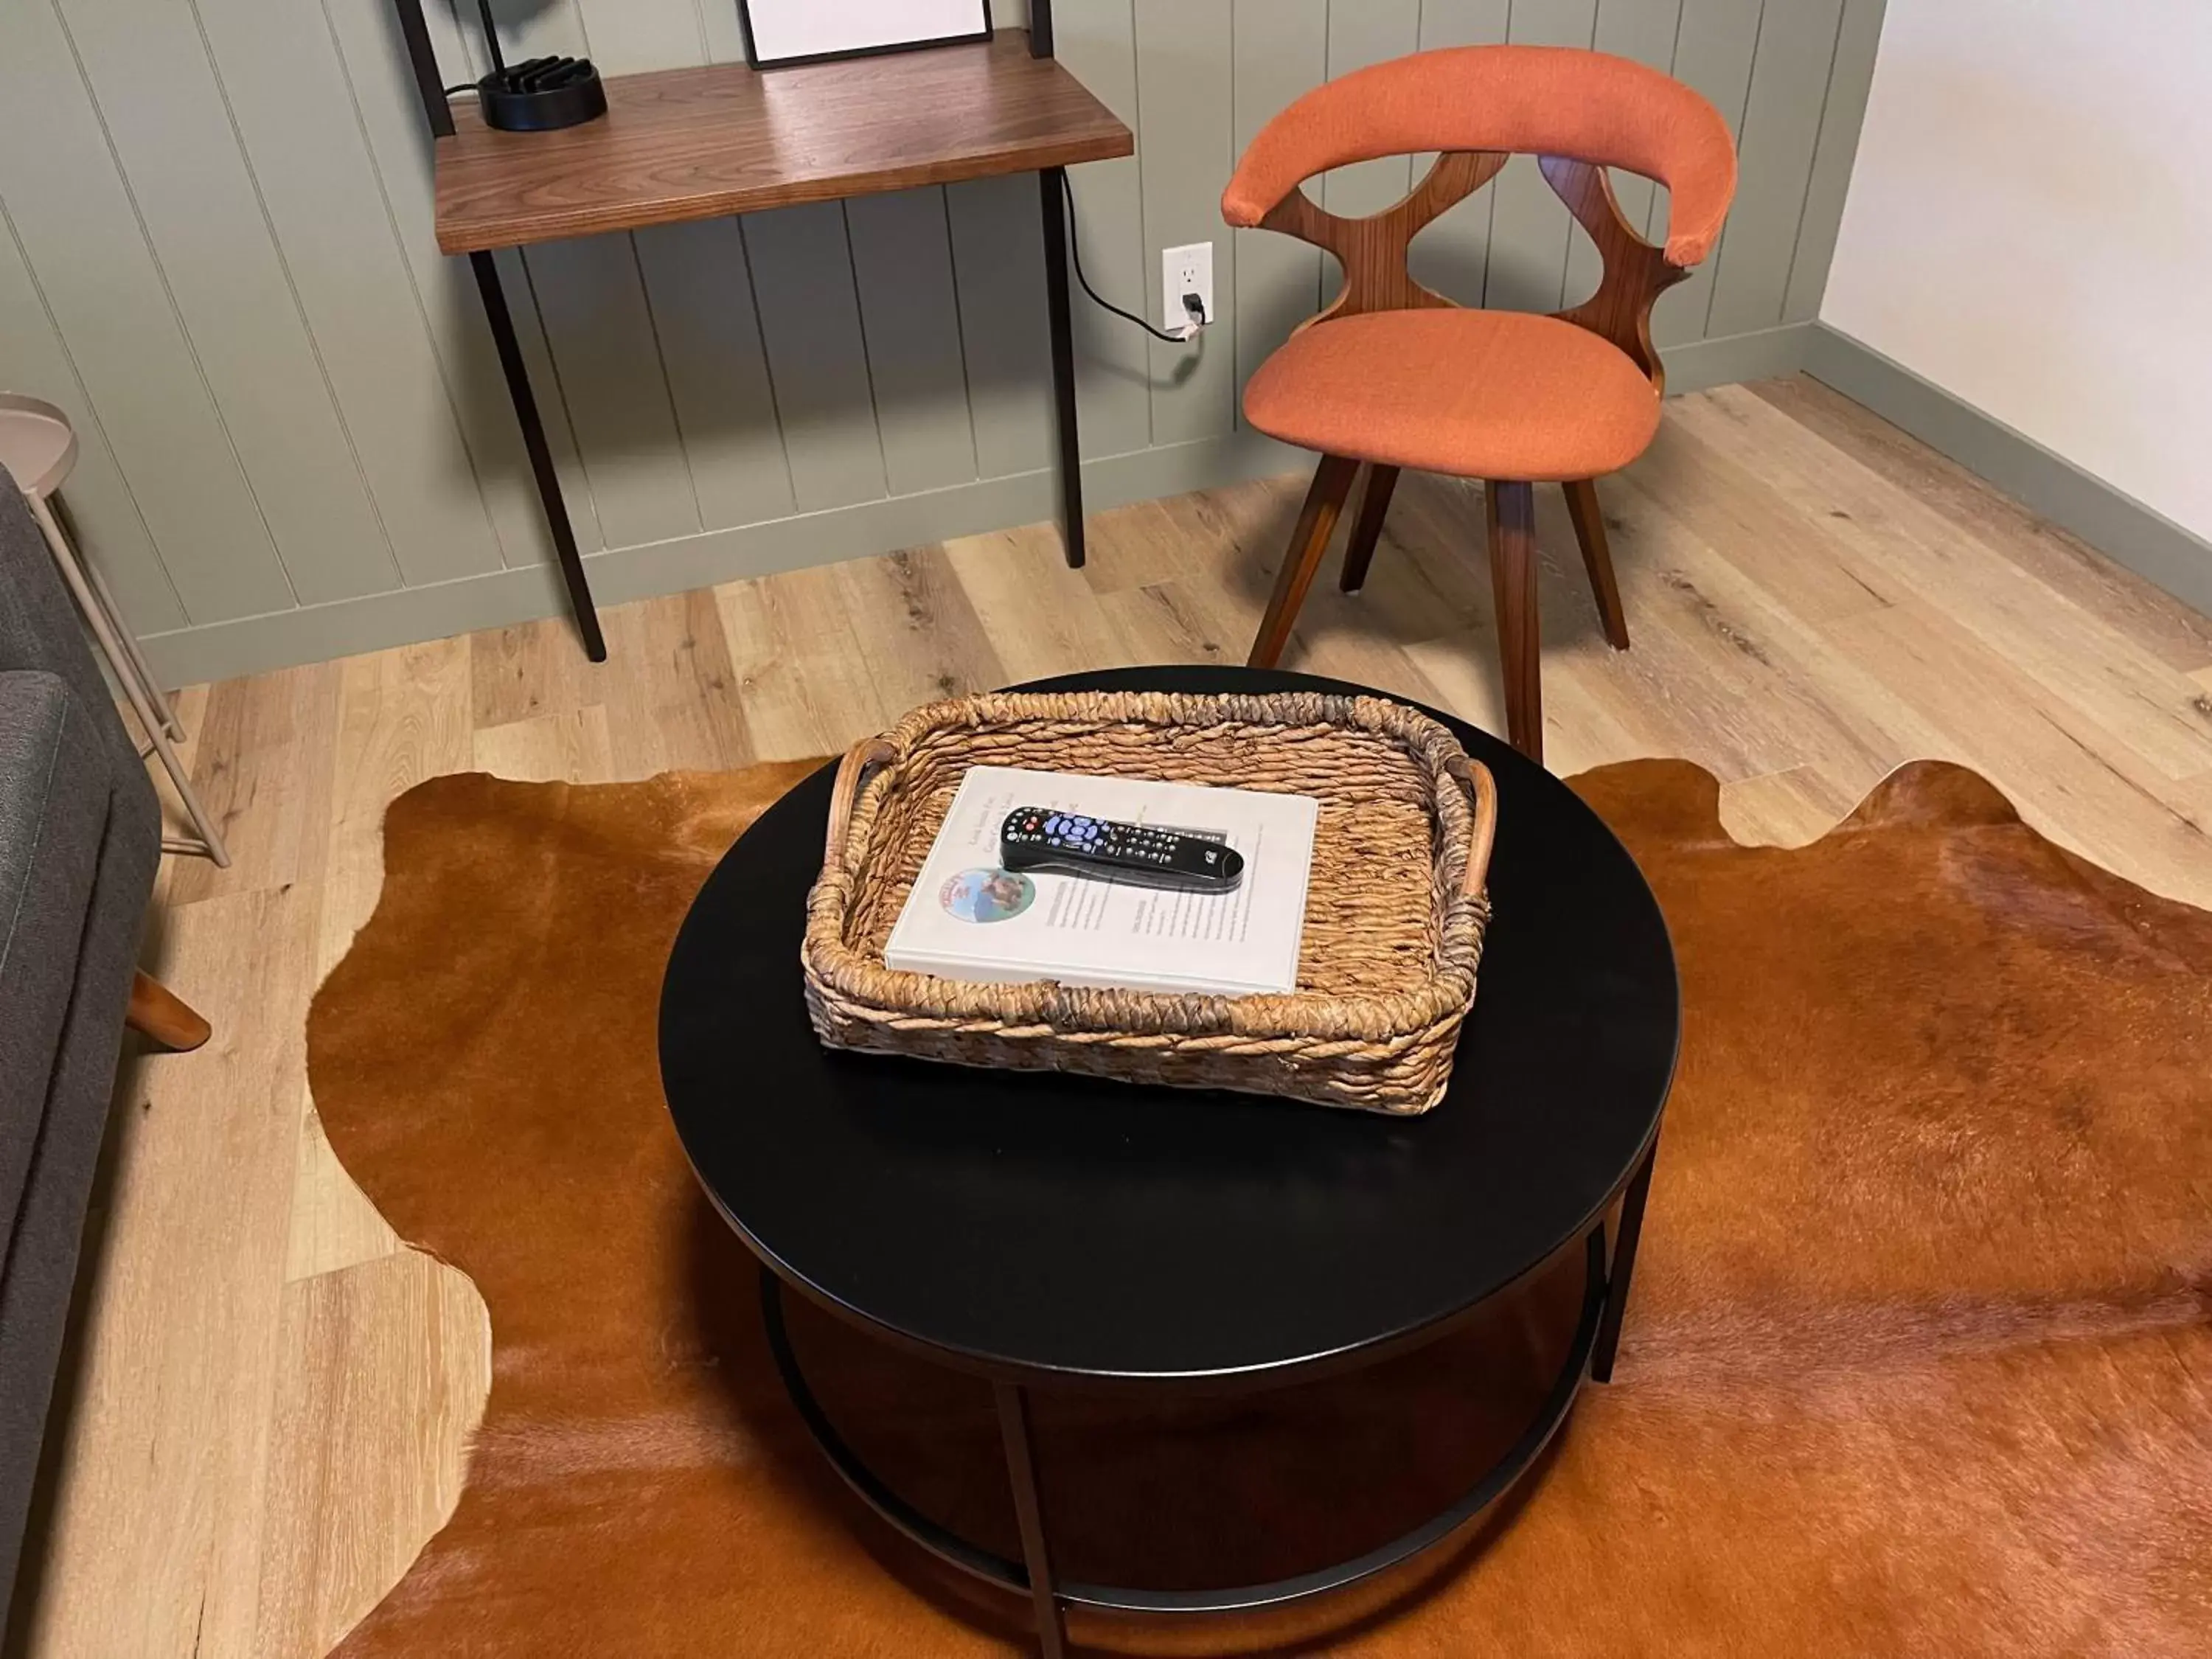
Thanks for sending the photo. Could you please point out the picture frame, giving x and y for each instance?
(784, 34)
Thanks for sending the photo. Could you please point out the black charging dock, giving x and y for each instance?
(538, 95)
(542, 94)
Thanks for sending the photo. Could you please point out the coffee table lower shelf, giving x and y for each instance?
(1051, 1595)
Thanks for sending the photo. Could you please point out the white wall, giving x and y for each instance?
(2030, 227)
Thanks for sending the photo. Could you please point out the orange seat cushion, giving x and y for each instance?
(1479, 394)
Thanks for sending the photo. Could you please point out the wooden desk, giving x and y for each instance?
(702, 143)
(698, 143)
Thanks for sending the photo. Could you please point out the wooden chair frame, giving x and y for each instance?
(1374, 252)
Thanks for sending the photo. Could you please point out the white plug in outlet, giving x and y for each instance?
(1186, 271)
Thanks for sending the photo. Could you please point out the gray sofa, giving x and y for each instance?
(79, 838)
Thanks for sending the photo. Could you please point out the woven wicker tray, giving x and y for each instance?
(1395, 907)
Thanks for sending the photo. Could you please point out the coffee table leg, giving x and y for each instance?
(1021, 1470)
(1624, 1266)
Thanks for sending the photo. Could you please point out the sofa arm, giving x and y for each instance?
(55, 784)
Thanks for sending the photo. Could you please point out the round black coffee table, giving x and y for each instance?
(1034, 1228)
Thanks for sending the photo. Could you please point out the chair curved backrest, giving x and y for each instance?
(1578, 112)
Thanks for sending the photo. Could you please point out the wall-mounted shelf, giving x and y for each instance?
(698, 143)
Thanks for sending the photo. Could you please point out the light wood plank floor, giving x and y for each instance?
(272, 1398)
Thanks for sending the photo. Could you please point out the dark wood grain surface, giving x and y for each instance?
(1509, 510)
(1372, 250)
(1636, 272)
(1317, 524)
(697, 143)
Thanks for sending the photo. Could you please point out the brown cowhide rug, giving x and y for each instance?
(1920, 1360)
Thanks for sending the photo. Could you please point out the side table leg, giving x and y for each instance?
(1624, 1266)
(1053, 184)
(120, 661)
(157, 699)
(1028, 1512)
(541, 455)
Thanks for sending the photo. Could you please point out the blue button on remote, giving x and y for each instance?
(1034, 838)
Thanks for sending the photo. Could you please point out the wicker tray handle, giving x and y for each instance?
(852, 773)
(870, 752)
(1484, 787)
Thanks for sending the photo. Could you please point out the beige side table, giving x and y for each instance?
(37, 446)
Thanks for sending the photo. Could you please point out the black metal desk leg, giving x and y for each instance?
(1028, 1512)
(1053, 183)
(1624, 1266)
(541, 457)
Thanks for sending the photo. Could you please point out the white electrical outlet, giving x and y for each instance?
(1186, 271)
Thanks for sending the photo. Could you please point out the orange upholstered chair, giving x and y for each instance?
(1393, 376)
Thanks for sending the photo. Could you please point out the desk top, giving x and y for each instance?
(699, 143)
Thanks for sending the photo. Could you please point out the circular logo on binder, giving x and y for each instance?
(987, 894)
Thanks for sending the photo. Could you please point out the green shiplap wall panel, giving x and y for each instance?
(696, 294)
(442, 289)
(1713, 52)
(1097, 39)
(611, 377)
(606, 357)
(1186, 142)
(1781, 127)
(107, 519)
(556, 26)
(166, 118)
(280, 70)
(910, 321)
(627, 36)
(80, 236)
(529, 315)
(527, 28)
(699, 289)
(1464, 22)
(1529, 226)
(1452, 256)
(1850, 78)
(244, 297)
(1280, 51)
(725, 36)
(1643, 30)
(1360, 33)
(998, 269)
(810, 319)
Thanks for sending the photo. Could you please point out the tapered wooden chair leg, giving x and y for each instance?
(1367, 527)
(163, 1018)
(1597, 558)
(1509, 510)
(1316, 523)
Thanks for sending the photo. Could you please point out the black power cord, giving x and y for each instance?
(1190, 301)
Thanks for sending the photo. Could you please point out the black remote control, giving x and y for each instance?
(1039, 838)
